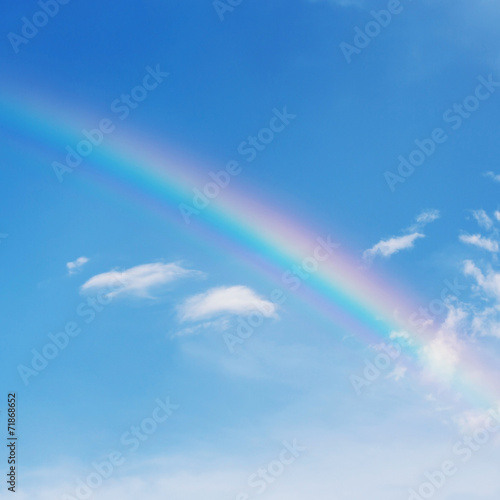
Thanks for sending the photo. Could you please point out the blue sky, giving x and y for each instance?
(166, 297)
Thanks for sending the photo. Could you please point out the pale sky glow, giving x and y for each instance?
(250, 250)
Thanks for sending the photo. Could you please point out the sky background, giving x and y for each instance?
(183, 289)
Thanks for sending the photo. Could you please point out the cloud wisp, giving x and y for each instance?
(386, 248)
(233, 300)
(480, 242)
(138, 281)
(390, 246)
(76, 265)
(491, 175)
(482, 219)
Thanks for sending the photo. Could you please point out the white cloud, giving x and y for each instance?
(497, 215)
(479, 241)
(492, 176)
(482, 219)
(485, 312)
(386, 248)
(76, 265)
(225, 300)
(455, 318)
(442, 355)
(428, 216)
(486, 323)
(489, 282)
(424, 218)
(138, 280)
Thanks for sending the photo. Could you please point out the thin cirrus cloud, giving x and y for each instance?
(225, 300)
(479, 241)
(482, 219)
(488, 282)
(76, 265)
(426, 217)
(485, 317)
(386, 248)
(390, 246)
(219, 324)
(492, 176)
(139, 281)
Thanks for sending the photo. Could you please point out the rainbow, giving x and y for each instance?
(349, 295)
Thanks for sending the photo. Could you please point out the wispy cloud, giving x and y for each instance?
(76, 265)
(386, 248)
(137, 281)
(492, 175)
(482, 219)
(218, 325)
(225, 300)
(390, 246)
(426, 217)
(488, 282)
(479, 241)
(486, 322)
(442, 355)
(484, 312)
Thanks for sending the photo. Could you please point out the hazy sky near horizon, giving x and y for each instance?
(370, 124)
